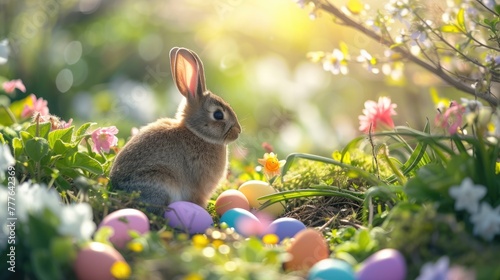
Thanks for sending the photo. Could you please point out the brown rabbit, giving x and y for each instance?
(181, 159)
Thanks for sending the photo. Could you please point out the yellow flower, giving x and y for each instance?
(270, 239)
(217, 243)
(121, 270)
(200, 240)
(135, 246)
(271, 164)
(193, 276)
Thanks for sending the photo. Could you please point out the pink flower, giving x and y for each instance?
(38, 105)
(56, 122)
(10, 86)
(377, 115)
(451, 119)
(104, 138)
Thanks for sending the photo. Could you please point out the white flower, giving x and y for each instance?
(486, 221)
(6, 158)
(76, 220)
(335, 62)
(437, 271)
(3, 217)
(489, 3)
(368, 60)
(4, 51)
(34, 198)
(467, 195)
(301, 3)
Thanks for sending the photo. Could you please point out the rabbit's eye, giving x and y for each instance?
(218, 115)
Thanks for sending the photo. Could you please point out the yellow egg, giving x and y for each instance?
(308, 248)
(255, 189)
(230, 199)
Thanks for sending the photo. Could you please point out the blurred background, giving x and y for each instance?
(107, 62)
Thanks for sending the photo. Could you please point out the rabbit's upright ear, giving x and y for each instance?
(187, 72)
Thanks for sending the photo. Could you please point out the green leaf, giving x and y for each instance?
(64, 135)
(364, 239)
(61, 148)
(82, 130)
(497, 9)
(449, 28)
(16, 108)
(44, 266)
(88, 163)
(36, 148)
(343, 48)
(313, 191)
(43, 129)
(17, 145)
(461, 19)
(103, 234)
(63, 183)
(62, 250)
(25, 136)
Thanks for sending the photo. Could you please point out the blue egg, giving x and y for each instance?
(237, 218)
(331, 269)
(285, 227)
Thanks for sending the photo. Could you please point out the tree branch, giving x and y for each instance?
(490, 98)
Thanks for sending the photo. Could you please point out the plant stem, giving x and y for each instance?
(490, 98)
(9, 113)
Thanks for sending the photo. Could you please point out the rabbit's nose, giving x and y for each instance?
(237, 128)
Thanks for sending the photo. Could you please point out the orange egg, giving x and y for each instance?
(95, 260)
(230, 199)
(308, 248)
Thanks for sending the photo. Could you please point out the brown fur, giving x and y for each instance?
(183, 158)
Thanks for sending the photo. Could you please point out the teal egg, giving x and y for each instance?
(232, 217)
(331, 269)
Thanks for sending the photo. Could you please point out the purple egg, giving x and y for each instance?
(188, 217)
(122, 221)
(386, 264)
(285, 227)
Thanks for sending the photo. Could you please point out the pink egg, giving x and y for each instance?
(386, 264)
(95, 260)
(230, 199)
(124, 220)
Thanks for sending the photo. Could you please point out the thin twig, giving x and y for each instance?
(490, 98)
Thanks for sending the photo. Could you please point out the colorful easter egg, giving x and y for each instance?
(285, 227)
(386, 264)
(95, 260)
(188, 217)
(241, 220)
(230, 199)
(122, 221)
(328, 269)
(308, 248)
(255, 189)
